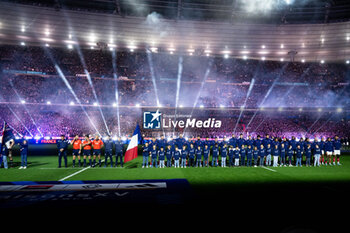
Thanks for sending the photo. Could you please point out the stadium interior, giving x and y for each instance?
(277, 67)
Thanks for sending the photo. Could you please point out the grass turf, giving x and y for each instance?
(44, 168)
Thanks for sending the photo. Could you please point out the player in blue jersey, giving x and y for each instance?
(308, 154)
(24, 152)
(169, 155)
(329, 150)
(255, 156)
(62, 145)
(206, 153)
(268, 155)
(161, 157)
(276, 155)
(298, 156)
(236, 152)
(184, 153)
(241, 141)
(232, 141)
(177, 155)
(262, 154)
(191, 155)
(154, 154)
(198, 156)
(317, 154)
(337, 147)
(223, 155)
(283, 154)
(249, 155)
(231, 153)
(108, 144)
(243, 153)
(214, 160)
(322, 143)
(145, 155)
(161, 142)
(290, 153)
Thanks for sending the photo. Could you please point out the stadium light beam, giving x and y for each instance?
(178, 85)
(210, 62)
(268, 92)
(150, 62)
(82, 60)
(115, 77)
(25, 107)
(245, 102)
(18, 119)
(64, 79)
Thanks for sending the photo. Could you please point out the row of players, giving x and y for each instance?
(328, 148)
(238, 148)
(237, 156)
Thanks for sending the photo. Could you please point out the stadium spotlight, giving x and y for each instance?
(303, 60)
(222, 106)
(47, 45)
(23, 44)
(300, 109)
(23, 28)
(339, 109)
(263, 58)
(226, 56)
(319, 109)
(137, 105)
(263, 46)
(181, 106)
(23, 101)
(347, 62)
(69, 46)
(201, 106)
(245, 57)
(322, 61)
(282, 59)
(95, 104)
(282, 46)
(154, 49)
(48, 102)
(114, 105)
(71, 103)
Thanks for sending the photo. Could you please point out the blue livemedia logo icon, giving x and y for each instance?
(152, 120)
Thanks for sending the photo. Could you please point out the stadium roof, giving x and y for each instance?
(267, 11)
(224, 28)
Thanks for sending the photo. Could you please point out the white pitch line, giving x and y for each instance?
(75, 173)
(269, 169)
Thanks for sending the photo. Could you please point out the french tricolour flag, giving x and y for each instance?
(131, 152)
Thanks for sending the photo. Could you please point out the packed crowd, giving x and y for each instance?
(29, 80)
(227, 84)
